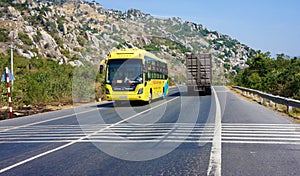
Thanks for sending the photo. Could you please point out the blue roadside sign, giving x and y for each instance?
(11, 77)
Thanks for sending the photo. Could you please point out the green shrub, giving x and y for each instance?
(227, 66)
(38, 81)
(4, 35)
(25, 38)
(66, 53)
(151, 47)
(37, 37)
(81, 40)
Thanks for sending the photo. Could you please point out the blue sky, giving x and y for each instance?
(266, 25)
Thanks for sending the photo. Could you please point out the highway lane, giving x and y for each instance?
(38, 134)
(256, 140)
(174, 136)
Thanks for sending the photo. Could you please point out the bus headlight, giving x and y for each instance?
(140, 91)
(107, 91)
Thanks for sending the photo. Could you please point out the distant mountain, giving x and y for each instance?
(73, 32)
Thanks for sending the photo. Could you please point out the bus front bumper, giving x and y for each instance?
(124, 97)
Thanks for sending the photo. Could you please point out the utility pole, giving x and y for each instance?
(12, 63)
(12, 57)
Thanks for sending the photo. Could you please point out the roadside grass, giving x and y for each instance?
(42, 85)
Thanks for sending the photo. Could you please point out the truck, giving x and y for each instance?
(199, 74)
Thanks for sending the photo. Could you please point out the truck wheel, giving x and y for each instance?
(208, 91)
(192, 92)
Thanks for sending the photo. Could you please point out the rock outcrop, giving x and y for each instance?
(68, 30)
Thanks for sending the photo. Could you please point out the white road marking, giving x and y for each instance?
(4, 129)
(117, 141)
(259, 128)
(262, 138)
(237, 133)
(262, 142)
(37, 156)
(215, 161)
(151, 132)
(260, 132)
(48, 120)
(79, 140)
(265, 135)
(117, 137)
(257, 125)
(156, 141)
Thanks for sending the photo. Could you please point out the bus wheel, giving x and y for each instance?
(118, 103)
(150, 98)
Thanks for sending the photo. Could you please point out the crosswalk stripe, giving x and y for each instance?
(267, 134)
(285, 134)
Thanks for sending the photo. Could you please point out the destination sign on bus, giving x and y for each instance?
(124, 55)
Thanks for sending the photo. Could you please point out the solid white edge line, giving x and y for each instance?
(215, 161)
(78, 140)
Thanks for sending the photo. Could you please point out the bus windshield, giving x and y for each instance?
(124, 71)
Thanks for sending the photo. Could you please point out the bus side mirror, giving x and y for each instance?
(144, 69)
(102, 66)
(101, 69)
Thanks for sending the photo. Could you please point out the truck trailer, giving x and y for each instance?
(199, 74)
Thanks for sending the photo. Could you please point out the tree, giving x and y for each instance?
(255, 81)
(279, 76)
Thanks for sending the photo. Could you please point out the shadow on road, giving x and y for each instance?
(127, 103)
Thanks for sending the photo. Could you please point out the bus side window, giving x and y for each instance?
(148, 76)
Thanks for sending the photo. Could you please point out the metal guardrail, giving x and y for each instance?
(269, 99)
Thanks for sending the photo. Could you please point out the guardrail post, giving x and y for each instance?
(264, 98)
(277, 106)
(265, 101)
(253, 96)
(261, 100)
(289, 108)
(248, 94)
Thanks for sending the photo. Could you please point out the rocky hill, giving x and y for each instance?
(73, 32)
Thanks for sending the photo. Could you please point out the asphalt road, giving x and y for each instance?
(220, 134)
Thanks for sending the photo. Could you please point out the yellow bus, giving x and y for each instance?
(135, 75)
